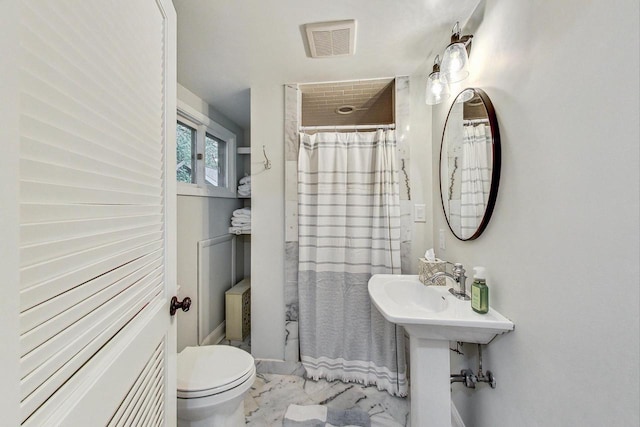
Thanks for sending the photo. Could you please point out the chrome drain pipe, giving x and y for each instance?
(470, 379)
(465, 376)
(488, 378)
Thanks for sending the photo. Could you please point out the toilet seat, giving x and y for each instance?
(210, 370)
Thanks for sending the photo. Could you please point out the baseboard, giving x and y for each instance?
(216, 336)
(280, 367)
(456, 419)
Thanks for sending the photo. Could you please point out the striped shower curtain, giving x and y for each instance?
(349, 229)
(475, 179)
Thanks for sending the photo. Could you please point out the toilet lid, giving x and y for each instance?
(212, 369)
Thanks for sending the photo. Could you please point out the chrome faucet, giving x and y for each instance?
(459, 277)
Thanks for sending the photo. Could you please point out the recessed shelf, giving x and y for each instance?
(244, 150)
(238, 231)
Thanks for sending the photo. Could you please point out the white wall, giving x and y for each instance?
(562, 247)
(421, 167)
(202, 218)
(267, 235)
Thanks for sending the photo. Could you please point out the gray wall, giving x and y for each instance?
(562, 248)
(203, 218)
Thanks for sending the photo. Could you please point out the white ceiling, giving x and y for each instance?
(225, 46)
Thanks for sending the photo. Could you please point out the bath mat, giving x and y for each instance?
(322, 416)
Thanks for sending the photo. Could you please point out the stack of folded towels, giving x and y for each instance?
(241, 220)
(244, 187)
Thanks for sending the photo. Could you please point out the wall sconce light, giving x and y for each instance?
(455, 61)
(453, 68)
(437, 89)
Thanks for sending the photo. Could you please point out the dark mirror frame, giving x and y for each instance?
(496, 163)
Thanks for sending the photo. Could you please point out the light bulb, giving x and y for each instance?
(437, 90)
(456, 62)
(454, 67)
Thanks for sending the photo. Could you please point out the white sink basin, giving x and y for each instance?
(432, 312)
(432, 316)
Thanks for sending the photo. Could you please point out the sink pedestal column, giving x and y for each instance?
(430, 383)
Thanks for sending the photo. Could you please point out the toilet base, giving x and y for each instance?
(232, 418)
(222, 404)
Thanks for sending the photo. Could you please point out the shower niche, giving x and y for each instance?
(342, 104)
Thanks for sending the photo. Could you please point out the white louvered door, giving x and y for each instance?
(95, 212)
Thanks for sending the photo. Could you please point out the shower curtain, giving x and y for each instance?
(349, 229)
(475, 178)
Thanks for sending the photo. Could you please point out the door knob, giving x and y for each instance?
(185, 304)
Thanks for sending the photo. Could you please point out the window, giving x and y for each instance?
(215, 153)
(185, 160)
(205, 164)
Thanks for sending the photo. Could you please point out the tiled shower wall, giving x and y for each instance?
(293, 115)
(371, 99)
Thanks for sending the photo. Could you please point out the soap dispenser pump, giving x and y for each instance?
(479, 291)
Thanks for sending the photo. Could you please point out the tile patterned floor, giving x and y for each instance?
(244, 345)
(271, 394)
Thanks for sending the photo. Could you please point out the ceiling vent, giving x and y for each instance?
(329, 39)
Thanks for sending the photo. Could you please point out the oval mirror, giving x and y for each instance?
(469, 164)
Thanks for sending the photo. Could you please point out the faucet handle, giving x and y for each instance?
(459, 276)
(458, 268)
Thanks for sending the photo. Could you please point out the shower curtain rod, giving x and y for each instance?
(475, 120)
(347, 127)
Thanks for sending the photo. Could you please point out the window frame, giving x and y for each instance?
(203, 126)
(191, 125)
(225, 161)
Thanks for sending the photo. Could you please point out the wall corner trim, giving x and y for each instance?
(456, 419)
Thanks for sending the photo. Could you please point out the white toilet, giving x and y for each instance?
(212, 383)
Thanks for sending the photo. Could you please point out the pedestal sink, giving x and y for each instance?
(432, 317)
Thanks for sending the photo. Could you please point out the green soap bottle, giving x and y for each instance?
(479, 291)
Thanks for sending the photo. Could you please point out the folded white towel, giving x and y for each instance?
(242, 211)
(244, 189)
(245, 180)
(239, 230)
(241, 218)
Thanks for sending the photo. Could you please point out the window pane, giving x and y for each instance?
(215, 155)
(185, 143)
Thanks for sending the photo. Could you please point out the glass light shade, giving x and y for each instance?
(437, 89)
(455, 63)
(465, 96)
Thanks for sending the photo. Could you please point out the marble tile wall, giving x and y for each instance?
(293, 114)
(403, 110)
